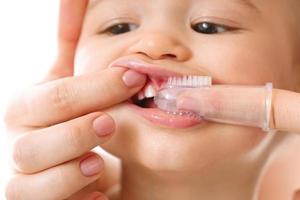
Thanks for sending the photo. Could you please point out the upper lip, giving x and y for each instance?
(144, 67)
(155, 73)
(158, 74)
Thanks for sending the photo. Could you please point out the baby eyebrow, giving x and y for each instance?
(248, 4)
(245, 3)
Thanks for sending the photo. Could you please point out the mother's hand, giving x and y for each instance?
(245, 105)
(58, 121)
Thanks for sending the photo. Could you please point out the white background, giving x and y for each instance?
(27, 49)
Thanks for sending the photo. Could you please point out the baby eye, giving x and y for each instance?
(209, 28)
(121, 28)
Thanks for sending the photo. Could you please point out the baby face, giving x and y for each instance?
(234, 41)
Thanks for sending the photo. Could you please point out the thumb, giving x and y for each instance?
(241, 105)
(71, 16)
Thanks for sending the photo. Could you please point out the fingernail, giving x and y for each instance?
(91, 166)
(187, 103)
(133, 79)
(104, 125)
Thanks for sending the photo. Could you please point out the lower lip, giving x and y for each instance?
(159, 117)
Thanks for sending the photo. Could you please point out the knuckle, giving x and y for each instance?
(74, 137)
(63, 97)
(21, 158)
(19, 108)
(17, 154)
(9, 114)
(7, 119)
(79, 132)
(62, 181)
(12, 190)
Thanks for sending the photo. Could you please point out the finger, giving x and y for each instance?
(71, 16)
(69, 140)
(296, 195)
(71, 97)
(59, 182)
(286, 111)
(95, 196)
(242, 105)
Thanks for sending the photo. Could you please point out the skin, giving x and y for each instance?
(62, 122)
(297, 195)
(263, 47)
(61, 172)
(282, 175)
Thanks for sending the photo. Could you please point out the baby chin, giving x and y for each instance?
(162, 148)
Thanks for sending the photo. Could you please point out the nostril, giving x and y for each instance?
(162, 56)
(170, 56)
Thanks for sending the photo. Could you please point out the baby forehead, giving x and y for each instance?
(244, 3)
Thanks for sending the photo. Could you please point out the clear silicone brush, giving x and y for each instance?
(166, 97)
(241, 105)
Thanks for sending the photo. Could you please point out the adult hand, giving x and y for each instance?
(297, 195)
(58, 122)
(245, 105)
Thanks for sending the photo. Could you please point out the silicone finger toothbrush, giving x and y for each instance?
(241, 105)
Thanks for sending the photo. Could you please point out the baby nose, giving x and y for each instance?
(159, 46)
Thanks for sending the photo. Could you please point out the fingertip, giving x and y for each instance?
(91, 165)
(133, 79)
(104, 125)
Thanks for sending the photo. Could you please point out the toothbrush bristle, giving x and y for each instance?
(189, 81)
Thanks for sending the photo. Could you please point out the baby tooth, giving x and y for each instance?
(141, 95)
(150, 91)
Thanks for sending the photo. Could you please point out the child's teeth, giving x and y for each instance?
(149, 91)
(141, 95)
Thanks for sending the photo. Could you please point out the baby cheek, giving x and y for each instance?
(92, 57)
(87, 60)
(242, 61)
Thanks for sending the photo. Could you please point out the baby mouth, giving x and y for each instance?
(157, 76)
(143, 104)
(145, 97)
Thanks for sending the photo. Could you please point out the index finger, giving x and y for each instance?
(67, 98)
(71, 16)
(286, 110)
(244, 105)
